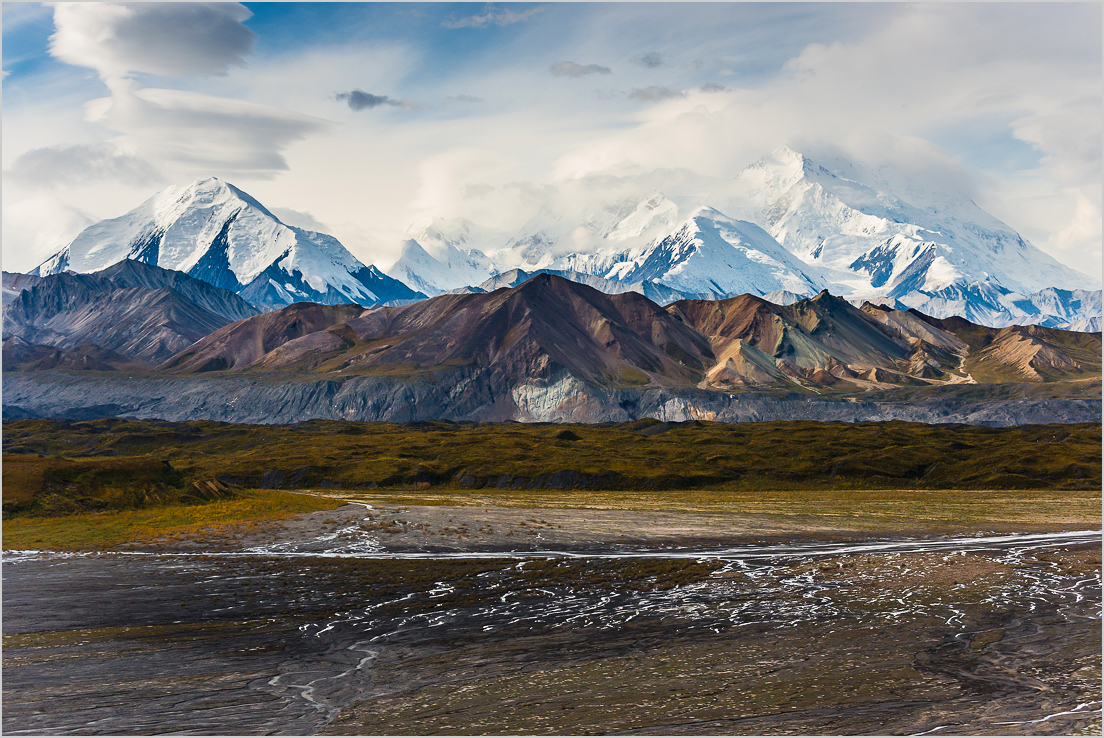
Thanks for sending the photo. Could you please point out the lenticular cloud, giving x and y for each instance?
(176, 39)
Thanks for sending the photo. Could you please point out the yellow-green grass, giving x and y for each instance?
(934, 510)
(93, 531)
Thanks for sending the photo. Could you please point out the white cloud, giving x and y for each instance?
(495, 16)
(52, 166)
(880, 86)
(178, 132)
(299, 219)
(201, 134)
(36, 227)
(174, 39)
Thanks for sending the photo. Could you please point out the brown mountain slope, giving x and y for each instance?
(816, 341)
(538, 330)
(19, 355)
(240, 344)
(549, 327)
(1019, 353)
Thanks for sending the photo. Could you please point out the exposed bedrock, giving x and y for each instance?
(479, 396)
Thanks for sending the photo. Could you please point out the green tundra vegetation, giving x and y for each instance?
(79, 484)
(53, 467)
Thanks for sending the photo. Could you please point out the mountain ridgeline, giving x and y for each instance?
(214, 232)
(552, 349)
(550, 328)
(800, 289)
(132, 311)
(786, 224)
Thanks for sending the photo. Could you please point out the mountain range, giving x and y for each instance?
(549, 349)
(784, 226)
(549, 328)
(786, 223)
(129, 312)
(213, 231)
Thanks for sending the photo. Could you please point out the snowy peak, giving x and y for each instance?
(713, 253)
(439, 257)
(870, 238)
(213, 231)
(654, 212)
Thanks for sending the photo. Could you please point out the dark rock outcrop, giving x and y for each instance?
(140, 311)
(51, 394)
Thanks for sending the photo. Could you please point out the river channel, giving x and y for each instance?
(976, 634)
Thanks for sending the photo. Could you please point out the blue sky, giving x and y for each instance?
(364, 118)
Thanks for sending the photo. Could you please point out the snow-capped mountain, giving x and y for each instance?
(789, 226)
(937, 252)
(213, 231)
(589, 238)
(712, 253)
(654, 291)
(440, 256)
(785, 226)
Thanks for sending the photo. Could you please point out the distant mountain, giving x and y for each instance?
(826, 341)
(654, 291)
(243, 344)
(585, 238)
(441, 257)
(213, 231)
(589, 237)
(819, 341)
(22, 356)
(552, 349)
(135, 310)
(937, 252)
(789, 224)
(713, 253)
(16, 283)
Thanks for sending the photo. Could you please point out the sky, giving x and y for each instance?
(364, 120)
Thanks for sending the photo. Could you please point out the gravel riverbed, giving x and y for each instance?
(420, 620)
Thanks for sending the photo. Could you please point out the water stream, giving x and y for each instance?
(282, 638)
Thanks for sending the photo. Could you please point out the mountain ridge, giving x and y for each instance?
(142, 312)
(216, 232)
(786, 224)
(553, 350)
(551, 329)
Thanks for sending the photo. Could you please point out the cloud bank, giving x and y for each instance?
(52, 166)
(1002, 102)
(179, 132)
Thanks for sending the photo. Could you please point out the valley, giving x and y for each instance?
(551, 369)
(644, 577)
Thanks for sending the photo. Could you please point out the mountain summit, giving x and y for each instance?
(935, 251)
(784, 226)
(213, 231)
